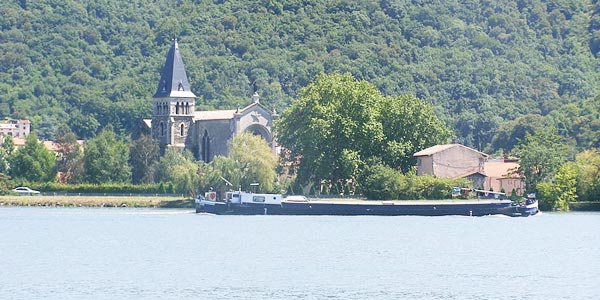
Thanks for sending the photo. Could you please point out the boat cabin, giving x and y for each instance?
(243, 197)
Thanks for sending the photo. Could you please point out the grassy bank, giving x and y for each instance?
(98, 201)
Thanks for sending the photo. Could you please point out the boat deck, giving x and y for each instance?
(400, 202)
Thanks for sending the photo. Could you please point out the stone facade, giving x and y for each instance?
(16, 129)
(176, 123)
(450, 161)
(458, 161)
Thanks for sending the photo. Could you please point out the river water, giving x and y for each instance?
(123, 253)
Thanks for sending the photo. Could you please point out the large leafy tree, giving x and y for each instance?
(409, 125)
(106, 158)
(332, 127)
(541, 155)
(338, 123)
(33, 162)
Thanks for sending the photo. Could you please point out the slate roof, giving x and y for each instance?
(214, 115)
(173, 80)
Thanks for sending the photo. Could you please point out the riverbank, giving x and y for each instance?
(585, 206)
(97, 201)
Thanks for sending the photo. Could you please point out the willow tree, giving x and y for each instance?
(255, 160)
(338, 124)
(250, 161)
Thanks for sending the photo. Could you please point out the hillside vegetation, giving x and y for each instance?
(488, 66)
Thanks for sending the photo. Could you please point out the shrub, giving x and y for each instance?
(384, 183)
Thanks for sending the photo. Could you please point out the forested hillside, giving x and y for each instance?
(489, 66)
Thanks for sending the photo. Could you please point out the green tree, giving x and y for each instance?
(8, 146)
(33, 162)
(541, 155)
(332, 127)
(562, 190)
(381, 182)
(143, 152)
(178, 168)
(106, 158)
(338, 123)
(588, 175)
(409, 125)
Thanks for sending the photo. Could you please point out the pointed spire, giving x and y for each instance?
(173, 80)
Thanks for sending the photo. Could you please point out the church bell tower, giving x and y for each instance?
(173, 104)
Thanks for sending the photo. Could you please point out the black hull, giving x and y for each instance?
(378, 209)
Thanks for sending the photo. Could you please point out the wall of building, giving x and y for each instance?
(219, 132)
(424, 165)
(456, 161)
(508, 184)
(16, 129)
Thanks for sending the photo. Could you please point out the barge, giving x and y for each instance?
(243, 203)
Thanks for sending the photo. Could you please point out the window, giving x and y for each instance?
(258, 198)
(206, 147)
(181, 129)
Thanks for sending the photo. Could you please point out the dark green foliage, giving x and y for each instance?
(384, 183)
(542, 154)
(32, 162)
(480, 63)
(106, 159)
(106, 188)
(179, 170)
(381, 183)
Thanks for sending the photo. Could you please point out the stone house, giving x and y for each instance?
(15, 128)
(502, 175)
(458, 161)
(450, 161)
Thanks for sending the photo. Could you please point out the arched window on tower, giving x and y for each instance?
(162, 129)
(177, 108)
(187, 108)
(181, 129)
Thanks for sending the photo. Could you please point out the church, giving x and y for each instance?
(177, 124)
